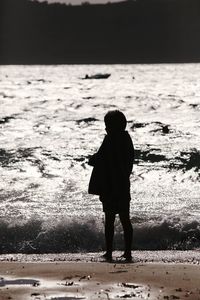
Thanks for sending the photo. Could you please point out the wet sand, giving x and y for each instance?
(98, 280)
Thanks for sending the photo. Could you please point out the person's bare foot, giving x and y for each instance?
(107, 257)
(127, 256)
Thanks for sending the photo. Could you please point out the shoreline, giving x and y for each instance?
(139, 256)
(64, 279)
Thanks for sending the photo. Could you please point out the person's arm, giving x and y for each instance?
(131, 155)
(98, 155)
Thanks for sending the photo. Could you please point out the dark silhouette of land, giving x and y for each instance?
(142, 31)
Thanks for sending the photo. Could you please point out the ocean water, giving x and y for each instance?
(51, 120)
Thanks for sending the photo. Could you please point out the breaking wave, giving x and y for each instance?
(36, 236)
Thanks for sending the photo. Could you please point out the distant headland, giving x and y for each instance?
(132, 31)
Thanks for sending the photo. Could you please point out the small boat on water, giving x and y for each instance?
(97, 76)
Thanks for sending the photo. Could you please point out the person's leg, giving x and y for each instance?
(128, 233)
(109, 233)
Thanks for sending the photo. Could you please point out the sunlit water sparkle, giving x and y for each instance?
(51, 120)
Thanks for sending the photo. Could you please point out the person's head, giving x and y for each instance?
(115, 121)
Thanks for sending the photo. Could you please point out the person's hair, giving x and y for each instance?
(115, 121)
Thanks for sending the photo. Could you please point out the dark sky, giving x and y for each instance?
(75, 2)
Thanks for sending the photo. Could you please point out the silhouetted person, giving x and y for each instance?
(110, 179)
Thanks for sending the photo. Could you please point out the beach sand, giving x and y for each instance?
(98, 280)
